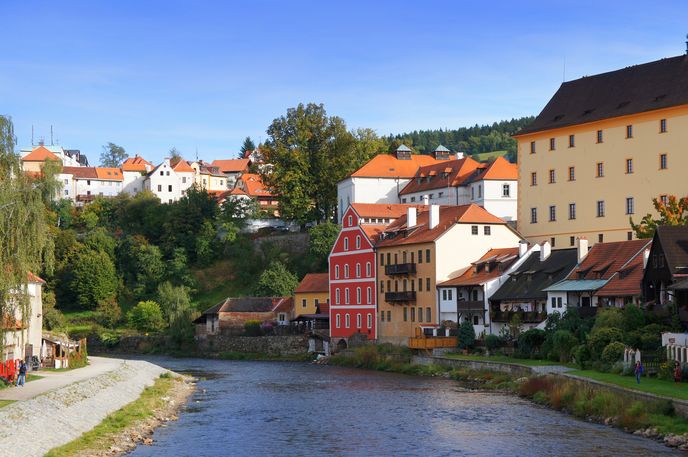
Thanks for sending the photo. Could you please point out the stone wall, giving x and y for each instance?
(269, 345)
(516, 370)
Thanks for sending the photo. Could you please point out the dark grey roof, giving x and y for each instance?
(636, 89)
(533, 276)
(674, 242)
(244, 305)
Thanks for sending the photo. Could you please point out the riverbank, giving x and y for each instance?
(71, 403)
(593, 402)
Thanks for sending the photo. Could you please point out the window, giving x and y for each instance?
(449, 294)
(487, 230)
(403, 200)
(420, 284)
(476, 320)
(474, 229)
(369, 320)
(664, 199)
(533, 179)
(600, 238)
(428, 315)
(533, 215)
(358, 241)
(480, 191)
(532, 147)
(572, 141)
(169, 188)
(66, 192)
(382, 259)
(572, 173)
(599, 136)
(405, 314)
(346, 270)
(629, 166)
(662, 126)
(440, 194)
(629, 205)
(358, 270)
(389, 260)
(336, 296)
(347, 296)
(338, 320)
(552, 213)
(162, 173)
(506, 190)
(472, 193)
(600, 208)
(427, 284)
(427, 256)
(552, 177)
(159, 188)
(389, 316)
(369, 268)
(382, 316)
(444, 294)
(303, 302)
(336, 272)
(600, 169)
(413, 314)
(629, 236)
(572, 240)
(346, 244)
(369, 295)
(413, 199)
(420, 314)
(358, 295)
(358, 320)
(350, 220)
(552, 241)
(662, 161)
(389, 285)
(382, 286)
(572, 211)
(347, 320)
(629, 131)
(420, 256)
(552, 144)
(183, 179)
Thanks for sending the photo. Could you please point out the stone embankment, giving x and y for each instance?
(33, 427)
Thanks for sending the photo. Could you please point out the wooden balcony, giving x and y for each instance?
(400, 269)
(407, 296)
(432, 342)
(531, 317)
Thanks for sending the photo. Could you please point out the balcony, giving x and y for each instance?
(400, 296)
(400, 269)
(432, 342)
(530, 317)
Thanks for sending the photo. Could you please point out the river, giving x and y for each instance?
(294, 409)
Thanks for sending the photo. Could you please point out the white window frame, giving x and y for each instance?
(347, 320)
(359, 320)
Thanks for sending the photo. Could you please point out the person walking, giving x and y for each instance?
(677, 372)
(21, 379)
(638, 371)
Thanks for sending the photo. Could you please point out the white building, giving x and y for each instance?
(23, 335)
(135, 170)
(83, 184)
(170, 182)
(232, 169)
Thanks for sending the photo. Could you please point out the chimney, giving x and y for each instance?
(646, 257)
(426, 200)
(411, 217)
(522, 248)
(434, 216)
(582, 244)
(545, 251)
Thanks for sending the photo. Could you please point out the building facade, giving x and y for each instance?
(312, 291)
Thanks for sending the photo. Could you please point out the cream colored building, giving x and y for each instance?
(601, 150)
(23, 334)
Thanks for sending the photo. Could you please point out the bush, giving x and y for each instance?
(599, 338)
(466, 335)
(108, 313)
(609, 318)
(633, 318)
(581, 354)
(563, 343)
(146, 316)
(529, 343)
(493, 342)
(252, 328)
(613, 352)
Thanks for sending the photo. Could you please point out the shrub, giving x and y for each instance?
(493, 342)
(252, 328)
(146, 316)
(581, 354)
(563, 343)
(108, 313)
(609, 318)
(466, 335)
(613, 352)
(529, 343)
(633, 318)
(599, 338)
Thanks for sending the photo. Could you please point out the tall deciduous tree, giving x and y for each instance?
(276, 281)
(113, 155)
(25, 239)
(673, 212)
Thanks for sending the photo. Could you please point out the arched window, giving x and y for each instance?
(358, 270)
(359, 320)
(346, 296)
(336, 272)
(346, 270)
(369, 295)
(336, 295)
(350, 221)
(370, 320)
(358, 241)
(358, 295)
(338, 320)
(347, 320)
(368, 269)
(346, 242)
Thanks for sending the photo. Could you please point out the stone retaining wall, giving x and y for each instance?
(270, 345)
(516, 370)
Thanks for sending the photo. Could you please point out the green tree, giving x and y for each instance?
(466, 335)
(321, 239)
(113, 155)
(179, 311)
(248, 145)
(175, 155)
(93, 278)
(146, 316)
(142, 265)
(673, 212)
(563, 342)
(276, 281)
(100, 240)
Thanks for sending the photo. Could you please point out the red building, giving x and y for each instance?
(353, 307)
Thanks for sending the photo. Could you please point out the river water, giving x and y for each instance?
(295, 409)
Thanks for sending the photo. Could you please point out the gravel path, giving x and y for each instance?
(33, 427)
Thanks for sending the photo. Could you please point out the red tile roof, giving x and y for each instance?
(449, 215)
(388, 166)
(81, 172)
(499, 169)
(382, 210)
(109, 174)
(34, 278)
(499, 261)
(373, 231)
(253, 185)
(182, 166)
(457, 172)
(605, 259)
(231, 165)
(39, 154)
(284, 305)
(136, 164)
(314, 282)
(627, 281)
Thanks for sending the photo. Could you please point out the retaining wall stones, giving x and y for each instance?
(270, 345)
(516, 370)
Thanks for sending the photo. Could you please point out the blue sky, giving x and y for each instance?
(149, 75)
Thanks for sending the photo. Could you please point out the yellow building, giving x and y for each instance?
(313, 291)
(601, 150)
(421, 249)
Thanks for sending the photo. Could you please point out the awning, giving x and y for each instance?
(577, 285)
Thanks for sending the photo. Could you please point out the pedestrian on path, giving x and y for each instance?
(638, 371)
(677, 372)
(21, 379)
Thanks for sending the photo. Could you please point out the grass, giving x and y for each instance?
(102, 437)
(485, 156)
(511, 360)
(216, 283)
(4, 403)
(649, 385)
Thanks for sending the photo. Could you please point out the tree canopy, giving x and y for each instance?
(248, 145)
(113, 155)
(672, 212)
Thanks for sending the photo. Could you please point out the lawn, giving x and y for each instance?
(4, 403)
(505, 359)
(485, 156)
(650, 385)
(216, 283)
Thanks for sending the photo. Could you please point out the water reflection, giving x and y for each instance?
(291, 409)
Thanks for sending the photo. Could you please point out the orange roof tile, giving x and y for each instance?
(504, 257)
(254, 185)
(388, 166)
(109, 174)
(182, 166)
(459, 171)
(34, 278)
(605, 259)
(449, 215)
(231, 165)
(284, 305)
(40, 154)
(136, 164)
(80, 172)
(373, 231)
(627, 281)
(384, 210)
(498, 170)
(314, 282)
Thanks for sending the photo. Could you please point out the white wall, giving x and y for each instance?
(15, 341)
(134, 182)
(489, 195)
(368, 190)
(166, 183)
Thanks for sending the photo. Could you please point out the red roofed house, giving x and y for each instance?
(232, 169)
(83, 184)
(232, 313)
(383, 176)
(250, 185)
(466, 296)
(34, 160)
(23, 334)
(134, 171)
(420, 250)
(312, 291)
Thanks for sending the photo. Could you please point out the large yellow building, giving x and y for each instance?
(601, 150)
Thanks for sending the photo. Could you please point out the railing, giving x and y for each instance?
(527, 317)
(400, 269)
(432, 342)
(400, 296)
(471, 305)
